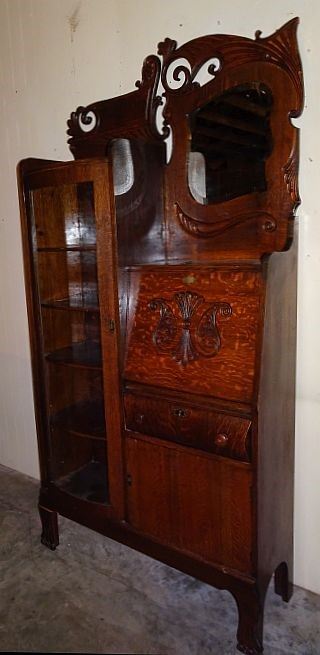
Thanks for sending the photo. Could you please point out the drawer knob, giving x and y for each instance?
(180, 412)
(221, 439)
(139, 418)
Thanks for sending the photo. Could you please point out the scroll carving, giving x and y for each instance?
(133, 116)
(233, 52)
(167, 326)
(291, 178)
(91, 128)
(205, 230)
(279, 49)
(187, 328)
(83, 119)
(183, 73)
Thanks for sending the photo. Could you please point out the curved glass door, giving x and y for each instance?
(65, 263)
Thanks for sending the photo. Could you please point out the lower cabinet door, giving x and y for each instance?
(198, 503)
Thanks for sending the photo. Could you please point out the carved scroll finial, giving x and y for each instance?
(167, 47)
(281, 49)
(181, 70)
(83, 120)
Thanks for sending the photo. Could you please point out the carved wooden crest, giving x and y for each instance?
(266, 64)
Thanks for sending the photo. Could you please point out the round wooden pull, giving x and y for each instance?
(139, 418)
(221, 439)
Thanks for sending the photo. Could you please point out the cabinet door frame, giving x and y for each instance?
(34, 174)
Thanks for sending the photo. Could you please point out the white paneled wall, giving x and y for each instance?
(58, 54)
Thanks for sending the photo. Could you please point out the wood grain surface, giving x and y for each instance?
(204, 505)
(199, 428)
(228, 374)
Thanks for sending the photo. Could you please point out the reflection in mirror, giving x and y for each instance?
(230, 142)
(137, 168)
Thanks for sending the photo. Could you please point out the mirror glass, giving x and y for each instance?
(123, 172)
(230, 142)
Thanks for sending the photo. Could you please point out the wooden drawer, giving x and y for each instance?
(196, 331)
(197, 427)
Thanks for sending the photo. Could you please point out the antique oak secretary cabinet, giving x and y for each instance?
(161, 300)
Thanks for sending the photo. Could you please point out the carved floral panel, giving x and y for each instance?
(187, 326)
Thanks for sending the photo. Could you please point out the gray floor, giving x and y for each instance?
(93, 595)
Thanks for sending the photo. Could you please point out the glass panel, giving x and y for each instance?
(138, 174)
(68, 279)
(123, 177)
(64, 235)
(64, 216)
(231, 140)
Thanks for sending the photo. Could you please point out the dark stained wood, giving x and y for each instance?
(140, 210)
(50, 531)
(84, 419)
(69, 329)
(110, 328)
(23, 168)
(229, 407)
(88, 482)
(276, 422)
(232, 122)
(78, 453)
(84, 353)
(86, 301)
(129, 116)
(162, 328)
(71, 399)
(242, 61)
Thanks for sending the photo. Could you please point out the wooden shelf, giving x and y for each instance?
(84, 419)
(216, 118)
(85, 355)
(82, 302)
(246, 105)
(79, 248)
(90, 482)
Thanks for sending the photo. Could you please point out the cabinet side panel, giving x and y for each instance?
(276, 416)
(23, 168)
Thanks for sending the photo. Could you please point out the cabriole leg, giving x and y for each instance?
(283, 581)
(250, 626)
(50, 530)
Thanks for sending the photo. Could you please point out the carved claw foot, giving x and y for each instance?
(50, 530)
(249, 650)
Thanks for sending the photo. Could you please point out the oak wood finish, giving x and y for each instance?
(191, 492)
(226, 372)
(162, 316)
(189, 425)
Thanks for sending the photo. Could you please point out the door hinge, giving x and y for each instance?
(129, 479)
(111, 325)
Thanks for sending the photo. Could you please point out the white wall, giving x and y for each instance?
(57, 54)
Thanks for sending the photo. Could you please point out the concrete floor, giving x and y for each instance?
(93, 595)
